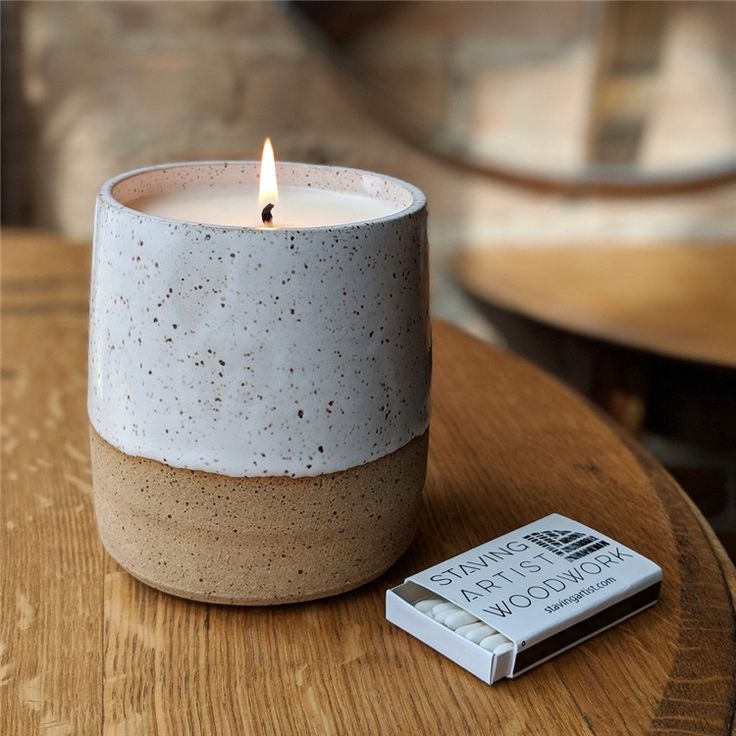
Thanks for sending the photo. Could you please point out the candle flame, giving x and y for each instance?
(268, 191)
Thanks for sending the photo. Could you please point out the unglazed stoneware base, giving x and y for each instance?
(255, 541)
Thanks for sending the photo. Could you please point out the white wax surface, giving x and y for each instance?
(238, 206)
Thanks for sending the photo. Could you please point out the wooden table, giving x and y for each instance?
(674, 300)
(649, 333)
(88, 649)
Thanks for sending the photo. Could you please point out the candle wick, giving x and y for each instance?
(266, 215)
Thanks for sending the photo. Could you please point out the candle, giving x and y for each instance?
(237, 203)
(258, 391)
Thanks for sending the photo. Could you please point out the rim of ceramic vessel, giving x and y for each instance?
(418, 200)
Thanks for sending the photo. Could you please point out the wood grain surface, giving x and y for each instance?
(677, 300)
(87, 649)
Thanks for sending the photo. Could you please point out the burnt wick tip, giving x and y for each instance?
(266, 214)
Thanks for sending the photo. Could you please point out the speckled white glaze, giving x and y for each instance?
(258, 352)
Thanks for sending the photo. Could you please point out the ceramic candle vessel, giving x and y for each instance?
(258, 397)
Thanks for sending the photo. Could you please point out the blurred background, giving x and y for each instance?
(579, 161)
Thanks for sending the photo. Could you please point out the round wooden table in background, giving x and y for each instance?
(648, 332)
(673, 300)
(88, 649)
